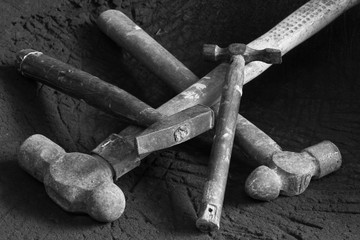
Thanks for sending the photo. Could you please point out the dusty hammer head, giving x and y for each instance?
(175, 129)
(75, 181)
(290, 173)
(267, 55)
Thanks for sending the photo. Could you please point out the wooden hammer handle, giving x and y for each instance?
(127, 34)
(82, 85)
(219, 162)
(296, 28)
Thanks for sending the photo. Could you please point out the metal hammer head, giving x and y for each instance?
(75, 181)
(267, 55)
(290, 173)
(175, 129)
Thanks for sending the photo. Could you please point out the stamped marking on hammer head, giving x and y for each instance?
(175, 129)
(181, 133)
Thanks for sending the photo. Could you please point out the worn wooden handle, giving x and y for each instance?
(219, 162)
(296, 28)
(145, 49)
(85, 86)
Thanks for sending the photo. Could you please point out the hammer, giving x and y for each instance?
(289, 173)
(81, 182)
(84, 182)
(219, 162)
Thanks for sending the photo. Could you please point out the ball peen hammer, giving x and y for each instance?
(289, 173)
(83, 183)
(219, 162)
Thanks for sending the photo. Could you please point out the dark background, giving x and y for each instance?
(314, 95)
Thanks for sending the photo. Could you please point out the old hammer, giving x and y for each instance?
(219, 162)
(84, 183)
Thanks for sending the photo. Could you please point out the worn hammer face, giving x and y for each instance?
(290, 173)
(75, 181)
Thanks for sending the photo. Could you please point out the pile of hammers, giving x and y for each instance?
(85, 182)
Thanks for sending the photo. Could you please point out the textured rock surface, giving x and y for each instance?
(313, 95)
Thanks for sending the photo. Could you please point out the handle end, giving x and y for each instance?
(21, 56)
(209, 219)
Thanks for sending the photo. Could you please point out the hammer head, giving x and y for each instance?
(290, 173)
(267, 55)
(77, 182)
(175, 129)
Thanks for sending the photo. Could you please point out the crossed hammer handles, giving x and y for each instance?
(83, 183)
